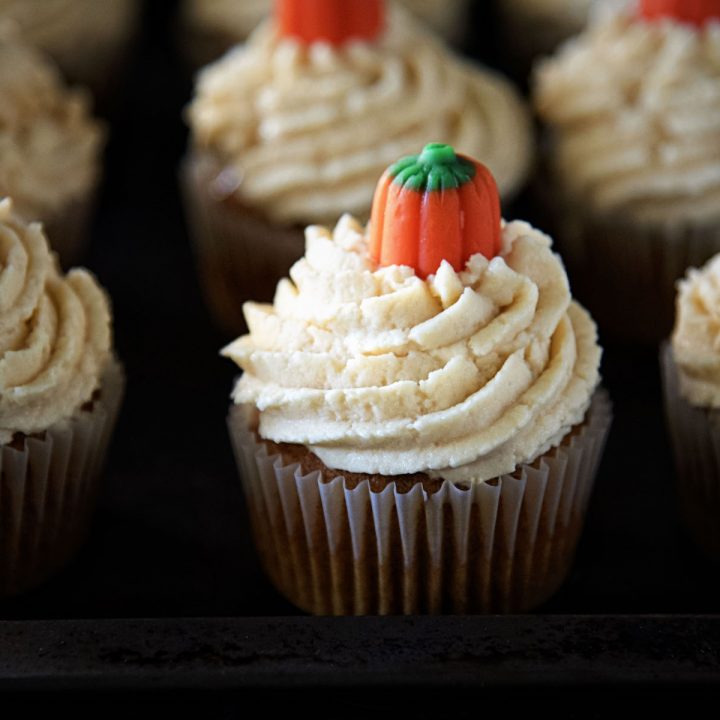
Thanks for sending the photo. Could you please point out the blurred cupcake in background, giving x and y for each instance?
(532, 28)
(210, 27)
(691, 384)
(294, 127)
(632, 172)
(88, 39)
(60, 392)
(419, 422)
(50, 146)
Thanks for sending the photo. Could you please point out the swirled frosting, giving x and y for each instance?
(49, 143)
(304, 132)
(240, 18)
(696, 337)
(635, 111)
(54, 332)
(462, 376)
(67, 29)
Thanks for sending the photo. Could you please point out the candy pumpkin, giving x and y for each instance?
(696, 12)
(432, 207)
(331, 21)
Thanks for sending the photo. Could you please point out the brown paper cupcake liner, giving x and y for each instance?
(500, 546)
(240, 254)
(48, 488)
(623, 272)
(695, 435)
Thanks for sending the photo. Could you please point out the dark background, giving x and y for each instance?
(170, 538)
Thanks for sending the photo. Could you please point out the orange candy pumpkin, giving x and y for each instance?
(331, 21)
(432, 207)
(696, 12)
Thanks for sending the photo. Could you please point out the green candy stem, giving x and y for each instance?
(437, 167)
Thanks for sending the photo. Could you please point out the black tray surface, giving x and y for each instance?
(167, 592)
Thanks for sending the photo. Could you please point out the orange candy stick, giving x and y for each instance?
(696, 12)
(432, 207)
(331, 21)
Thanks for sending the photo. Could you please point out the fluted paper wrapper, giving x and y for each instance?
(240, 255)
(695, 435)
(48, 489)
(499, 546)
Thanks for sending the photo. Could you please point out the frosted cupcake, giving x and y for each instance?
(86, 38)
(50, 146)
(633, 112)
(210, 27)
(691, 382)
(290, 131)
(536, 27)
(418, 423)
(60, 390)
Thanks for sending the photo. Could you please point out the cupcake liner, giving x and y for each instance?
(48, 488)
(695, 435)
(622, 271)
(500, 546)
(241, 256)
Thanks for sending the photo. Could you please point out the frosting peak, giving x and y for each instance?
(54, 332)
(462, 375)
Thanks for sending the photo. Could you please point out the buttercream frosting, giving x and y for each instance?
(67, 29)
(634, 107)
(696, 337)
(304, 132)
(55, 332)
(462, 376)
(240, 18)
(49, 143)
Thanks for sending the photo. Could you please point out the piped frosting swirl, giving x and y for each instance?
(696, 337)
(304, 132)
(55, 332)
(463, 375)
(635, 111)
(49, 143)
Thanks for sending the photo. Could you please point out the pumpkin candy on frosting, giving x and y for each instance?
(432, 207)
(696, 12)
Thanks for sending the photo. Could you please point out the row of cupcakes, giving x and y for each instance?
(626, 177)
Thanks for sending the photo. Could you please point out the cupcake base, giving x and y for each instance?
(695, 435)
(240, 254)
(48, 488)
(358, 546)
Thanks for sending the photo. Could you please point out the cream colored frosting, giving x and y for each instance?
(305, 132)
(696, 337)
(54, 332)
(463, 375)
(49, 144)
(635, 110)
(239, 17)
(71, 29)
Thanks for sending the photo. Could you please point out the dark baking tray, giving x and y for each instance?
(167, 592)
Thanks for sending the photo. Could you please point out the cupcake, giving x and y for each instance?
(691, 384)
(536, 27)
(86, 38)
(418, 423)
(633, 156)
(210, 27)
(60, 390)
(50, 146)
(295, 127)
